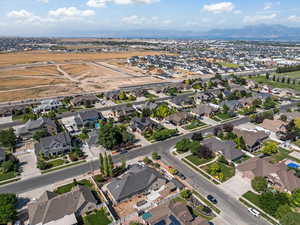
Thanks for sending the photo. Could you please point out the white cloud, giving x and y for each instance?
(139, 20)
(21, 14)
(294, 19)
(219, 7)
(270, 5)
(71, 12)
(103, 3)
(44, 1)
(237, 12)
(259, 18)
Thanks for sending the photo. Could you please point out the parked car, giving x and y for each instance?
(210, 223)
(254, 212)
(212, 199)
(181, 176)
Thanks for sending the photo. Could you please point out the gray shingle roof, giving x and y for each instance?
(136, 180)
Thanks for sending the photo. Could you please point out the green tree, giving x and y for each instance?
(257, 102)
(225, 109)
(162, 111)
(295, 199)
(8, 210)
(214, 169)
(123, 164)
(42, 164)
(7, 166)
(101, 162)
(105, 165)
(270, 148)
(110, 165)
(110, 136)
(283, 118)
(183, 145)
(146, 160)
(40, 134)
(122, 96)
(197, 136)
(185, 194)
(8, 138)
(269, 103)
(259, 184)
(155, 156)
(240, 142)
(270, 201)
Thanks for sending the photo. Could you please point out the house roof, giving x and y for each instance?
(79, 99)
(136, 180)
(228, 148)
(203, 109)
(179, 116)
(142, 123)
(90, 115)
(272, 125)
(47, 142)
(251, 137)
(35, 124)
(263, 168)
(51, 207)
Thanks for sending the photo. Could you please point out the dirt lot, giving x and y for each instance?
(75, 69)
(9, 59)
(31, 71)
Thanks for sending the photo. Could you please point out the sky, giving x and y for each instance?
(90, 17)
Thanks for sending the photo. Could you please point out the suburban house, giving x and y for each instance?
(64, 209)
(2, 155)
(278, 175)
(31, 126)
(275, 126)
(183, 101)
(88, 118)
(14, 110)
(203, 97)
(137, 180)
(179, 118)
(204, 110)
(47, 105)
(253, 138)
(233, 105)
(112, 95)
(226, 148)
(142, 124)
(119, 113)
(173, 213)
(84, 100)
(147, 106)
(54, 145)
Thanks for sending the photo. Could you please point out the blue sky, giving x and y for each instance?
(84, 17)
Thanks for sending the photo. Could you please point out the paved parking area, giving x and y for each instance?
(236, 186)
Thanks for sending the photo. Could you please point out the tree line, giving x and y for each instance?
(286, 69)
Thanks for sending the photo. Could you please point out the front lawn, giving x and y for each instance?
(252, 197)
(222, 173)
(194, 124)
(149, 95)
(99, 217)
(160, 134)
(280, 155)
(224, 116)
(6, 176)
(197, 160)
(56, 162)
(68, 187)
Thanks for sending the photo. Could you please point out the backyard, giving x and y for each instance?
(99, 217)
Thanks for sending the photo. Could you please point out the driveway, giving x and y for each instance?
(7, 119)
(28, 162)
(209, 121)
(236, 186)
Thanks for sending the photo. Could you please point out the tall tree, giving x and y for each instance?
(8, 138)
(8, 210)
(110, 165)
(101, 163)
(105, 165)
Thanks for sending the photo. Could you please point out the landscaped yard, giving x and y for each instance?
(223, 116)
(197, 160)
(226, 171)
(7, 176)
(282, 154)
(194, 124)
(252, 197)
(68, 187)
(100, 217)
(56, 162)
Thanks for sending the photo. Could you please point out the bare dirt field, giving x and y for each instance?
(10, 59)
(39, 74)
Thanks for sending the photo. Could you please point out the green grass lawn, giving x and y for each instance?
(297, 143)
(197, 160)
(228, 171)
(149, 95)
(293, 75)
(7, 176)
(280, 155)
(194, 124)
(252, 197)
(100, 217)
(223, 116)
(263, 80)
(56, 162)
(68, 187)
(244, 158)
(229, 65)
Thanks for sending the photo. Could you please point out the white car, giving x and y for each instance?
(254, 212)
